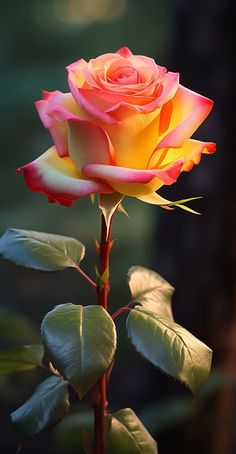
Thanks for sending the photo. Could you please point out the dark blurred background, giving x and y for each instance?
(195, 253)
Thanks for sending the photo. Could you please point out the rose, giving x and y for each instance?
(125, 127)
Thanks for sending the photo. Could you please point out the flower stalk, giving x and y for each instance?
(103, 287)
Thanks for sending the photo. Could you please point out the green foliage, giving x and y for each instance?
(43, 410)
(102, 280)
(150, 290)
(75, 430)
(170, 347)
(41, 251)
(16, 359)
(127, 434)
(17, 328)
(160, 416)
(80, 342)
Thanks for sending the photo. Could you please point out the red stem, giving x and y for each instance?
(100, 399)
(120, 311)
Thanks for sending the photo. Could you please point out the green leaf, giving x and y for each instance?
(170, 347)
(41, 251)
(80, 342)
(150, 290)
(108, 204)
(75, 430)
(128, 435)
(16, 359)
(21, 326)
(43, 410)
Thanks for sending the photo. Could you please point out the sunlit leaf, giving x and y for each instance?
(128, 435)
(80, 342)
(150, 290)
(43, 410)
(41, 251)
(170, 347)
(24, 357)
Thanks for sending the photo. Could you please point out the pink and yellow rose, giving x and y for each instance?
(124, 127)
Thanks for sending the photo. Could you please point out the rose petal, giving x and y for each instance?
(150, 103)
(190, 152)
(86, 102)
(124, 52)
(133, 182)
(59, 179)
(57, 127)
(76, 71)
(85, 98)
(135, 138)
(189, 111)
(88, 144)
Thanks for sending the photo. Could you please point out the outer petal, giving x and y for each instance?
(133, 182)
(59, 179)
(57, 128)
(85, 99)
(88, 144)
(191, 153)
(189, 110)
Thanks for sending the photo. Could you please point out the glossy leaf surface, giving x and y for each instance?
(43, 410)
(41, 251)
(128, 435)
(170, 347)
(150, 290)
(80, 342)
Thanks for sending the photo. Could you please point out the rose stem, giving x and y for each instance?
(100, 399)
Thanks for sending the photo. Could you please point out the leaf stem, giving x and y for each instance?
(91, 282)
(100, 399)
(120, 311)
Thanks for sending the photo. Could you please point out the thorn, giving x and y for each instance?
(111, 244)
(97, 245)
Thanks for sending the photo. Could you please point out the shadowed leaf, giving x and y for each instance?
(75, 429)
(43, 410)
(20, 358)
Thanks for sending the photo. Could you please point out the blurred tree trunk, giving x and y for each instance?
(198, 254)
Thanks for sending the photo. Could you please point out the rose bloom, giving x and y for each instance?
(124, 127)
